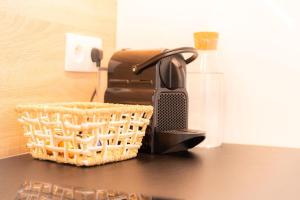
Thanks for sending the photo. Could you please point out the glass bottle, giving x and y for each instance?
(206, 92)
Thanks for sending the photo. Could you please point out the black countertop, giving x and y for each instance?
(230, 172)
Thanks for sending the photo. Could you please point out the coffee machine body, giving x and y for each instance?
(154, 77)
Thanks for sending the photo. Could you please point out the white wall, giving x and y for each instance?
(259, 51)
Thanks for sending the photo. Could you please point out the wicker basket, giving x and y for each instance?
(84, 133)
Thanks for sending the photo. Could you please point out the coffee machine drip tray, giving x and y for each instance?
(177, 140)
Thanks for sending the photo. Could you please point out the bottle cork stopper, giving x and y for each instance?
(206, 40)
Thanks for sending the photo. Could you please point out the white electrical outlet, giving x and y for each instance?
(78, 52)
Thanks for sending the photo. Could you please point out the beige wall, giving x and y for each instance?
(32, 39)
(258, 51)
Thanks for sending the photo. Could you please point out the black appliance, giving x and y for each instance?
(158, 78)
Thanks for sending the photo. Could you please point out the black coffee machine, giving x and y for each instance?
(157, 78)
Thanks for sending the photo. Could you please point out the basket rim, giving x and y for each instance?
(62, 107)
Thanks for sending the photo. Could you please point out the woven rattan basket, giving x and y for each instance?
(84, 133)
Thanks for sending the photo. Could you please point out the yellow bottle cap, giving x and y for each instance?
(206, 40)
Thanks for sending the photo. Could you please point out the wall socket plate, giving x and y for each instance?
(78, 52)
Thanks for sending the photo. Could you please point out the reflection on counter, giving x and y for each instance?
(33, 190)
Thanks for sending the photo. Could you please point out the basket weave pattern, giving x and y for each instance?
(84, 133)
(33, 190)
